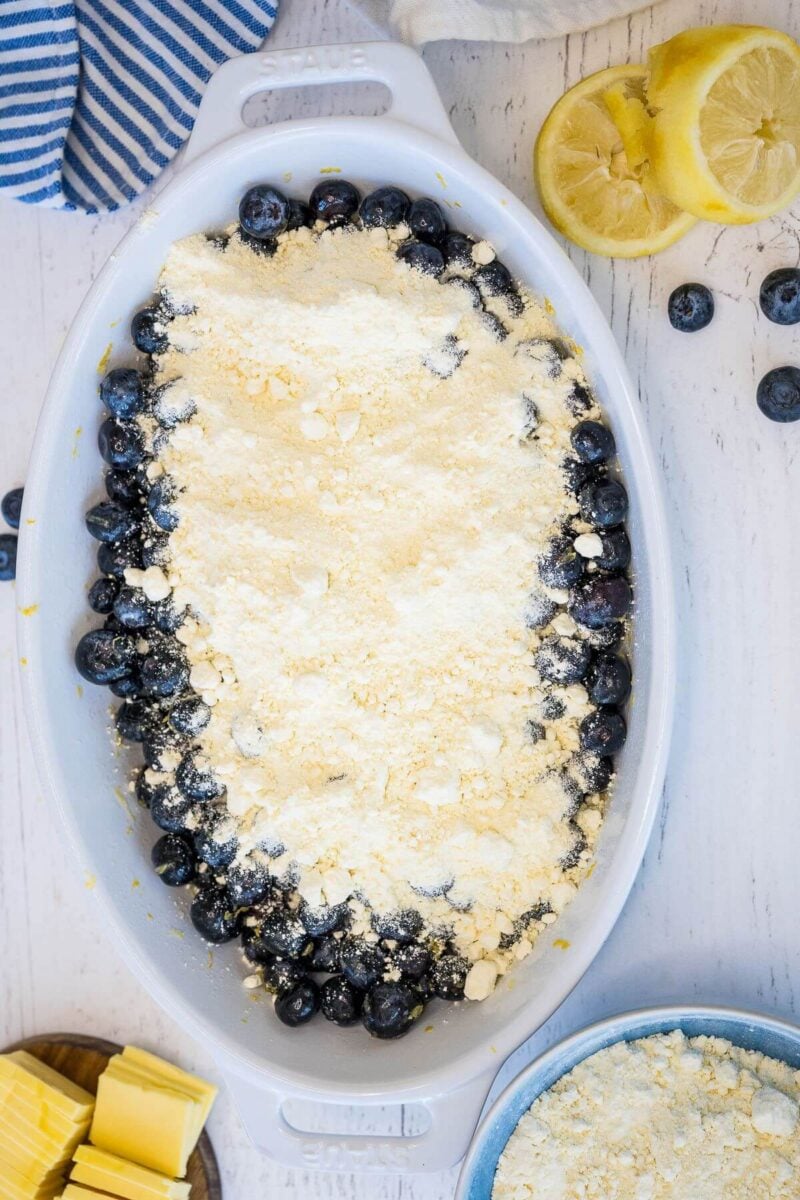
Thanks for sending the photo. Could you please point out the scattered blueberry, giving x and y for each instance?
(579, 399)
(778, 394)
(603, 732)
(547, 353)
(102, 595)
(446, 358)
(530, 417)
(263, 246)
(469, 289)
(115, 560)
(284, 935)
(334, 200)
(494, 326)
(148, 332)
(214, 845)
(690, 307)
(592, 442)
(448, 975)
(422, 257)
(389, 1010)
(457, 249)
(127, 688)
(281, 975)
(560, 566)
(155, 550)
(325, 956)
(386, 206)
(539, 610)
(160, 504)
(189, 715)
(616, 554)
(160, 747)
(340, 1001)
(132, 608)
(577, 474)
(494, 279)
(324, 919)
(426, 221)
(196, 780)
(412, 960)
(122, 391)
(402, 926)
(166, 617)
(299, 215)
(298, 1006)
(102, 655)
(563, 660)
(362, 962)
(536, 731)
(609, 680)
(248, 885)
(600, 599)
(121, 444)
(780, 296)
(11, 506)
(109, 521)
(592, 773)
(164, 668)
(123, 488)
(174, 860)
(573, 855)
(135, 720)
(212, 915)
(169, 809)
(604, 502)
(263, 211)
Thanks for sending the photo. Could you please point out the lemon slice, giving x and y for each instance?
(725, 139)
(590, 189)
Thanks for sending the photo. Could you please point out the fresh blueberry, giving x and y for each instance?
(266, 247)
(123, 393)
(563, 660)
(135, 720)
(560, 566)
(778, 394)
(604, 502)
(422, 257)
(324, 919)
(127, 688)
(298, 1006)
(426, 221)
(780, 296)
(592, 773)
(164, 669)
(412, 960)
(160, 747)
(102, 655)
(390, 1009)
(212, 915)
(457, 249)
(448, 975)
(123, 488)
(546, 353)
(174, 860)
(609, 680)
(600, 599)
(166, 617)
(579, 399)
(401, 926)
(143, 789)
(132, 608)
(281, 975)
(121, 444)
(253, 948)
(334, 200)
(169, 809)
(299, 215)
(603, 731)
(577, 474)
(196, 779)
(284, 935)
(109, 521)
(386, 206)
(325, 956)
(160, 504)
(214, 842)
(189, 716)
(690, 307)
(115, 560)
(494, 279)
(539, 610)
(148, 332)
(248, 884)
(155, 550)
(592, 442)
(553, 708)
(102, 595)
(616, 554)
(446, 358)
(172, 405)
(11, 506)
(494, 326)
(263, 211)
(607, 637)
(340, 1001)
(362, 962)
(574, 854)
(463, 285)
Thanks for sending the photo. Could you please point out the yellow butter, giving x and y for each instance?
(43, 1083)
(16, 1125)
(14, 1186)
(18, 1104)
(73, 1192)
(145, 1122)
(110, 1173)
(204, 1092)
(30, 1163)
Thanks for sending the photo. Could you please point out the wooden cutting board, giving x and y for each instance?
(83, 1060)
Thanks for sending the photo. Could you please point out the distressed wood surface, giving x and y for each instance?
(713, 914)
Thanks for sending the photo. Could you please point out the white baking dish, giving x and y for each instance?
(451, 1067)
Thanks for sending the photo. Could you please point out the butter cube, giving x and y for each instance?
(145, 1122)
(111, 1173)
(205, 1093)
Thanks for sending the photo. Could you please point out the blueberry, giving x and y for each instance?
(173, 404)
(616, 554)
(196, 780)
(579, 399)
(148, 332)
(166, 617)
(609, 680)
(281, 975)
(109, 521)
(127, 688)
(115, 560)
(386, 206)
(263, 211)
(121, 444)
(11, 506)
(535, 730)
(160, 504)
(214, 844)
(592, 442)
(123, 488)
(334, 200)
(574, 854)
(123, 393)
(604, 502)
(299, 215)
(401, 926)
(426, 221)
(547, 354)
(412, 960)
(494, 326)
(212, 915)
(155, 550)
(298, 1006)
(143, 789)
(494, 279)
(248, 884)
(563, 660)
(448, 975)
(600, 599)
(780, 296)
(530, 417)
(169, 809)
(164, 669)
(577, 474)
(422, 257)
(174, 860)
(362, 962)
(690, 307)
(539, 610)
(284, 935)
(560, 566)
(325, 956)
(390, 1009)
(603, 731)
(266, 247)
(446, 358)
(161, 745)
(778, 394)
(463, 285)
(553, 708)
(340, 1001)
(189, 715)
(457, 249)
(254, 950)
(135, 720)
(102, 595)
(324, 918)
(102, 655)
(592, 773)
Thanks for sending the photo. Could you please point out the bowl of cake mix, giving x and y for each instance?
(666, 1102)
(285, 518)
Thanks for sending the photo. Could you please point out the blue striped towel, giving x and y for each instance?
(96, 96)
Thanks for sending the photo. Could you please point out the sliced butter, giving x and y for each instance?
(204, 1092)
(145, 1122)
(73, 1192)
(43, 1083)
(110, 1173)
(41, 1116)
(17, 1127)
(28, 1163)
(14, 1186)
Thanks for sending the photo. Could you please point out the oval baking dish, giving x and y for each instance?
(451, 1067)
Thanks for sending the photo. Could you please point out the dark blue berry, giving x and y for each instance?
(609, 680)
(164, 669)
(573, 855)
(386, 206)
(778, 394)
(214, 845)
(123, 487)
(422, 257)
(553, 708)
(11, 506)
(160, 504)
(123, 393)
(169, 809)
(412, 960)
(494, 326)
(603, 732)
(284, 935)
(121, 444)
(174, 860)
(780, 296)
(298, 1006)
(600, 599)
(212, 915)
(263, 211)
(448, 975)
(166, 616)
(189, 716)
(254, 950)
(579, 399)
(155, 550)
(616, 554)
(135, 720)
(560, 566)
(148, 332)
(333, 200)
(324, 918)
(690, 307)
(266, 247)
(463, 285)
(563, 660)
(109, 521)
(299, 215)
(160, 745)
(494, 279)
(390, 1009)
(116, 559)
(248, 884)
(401, 926)
(127, 688)
(426, 221)
(196, 780)
(604, 502)
(340, 1001)
(457, 249)
(102, 655)
(102, 595)
(535, 730)
(592, 442)
(325, 956)
(362, 962)
(539, 610)
(577, 474)
(546, 353)
(281, 975)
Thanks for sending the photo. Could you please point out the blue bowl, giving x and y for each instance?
(748, 1030)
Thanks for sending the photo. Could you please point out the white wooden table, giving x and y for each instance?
(714, 914)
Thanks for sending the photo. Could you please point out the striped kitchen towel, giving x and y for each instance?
(96, 96)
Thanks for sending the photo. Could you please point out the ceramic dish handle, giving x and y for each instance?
(452, 1120)
(415, 100)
